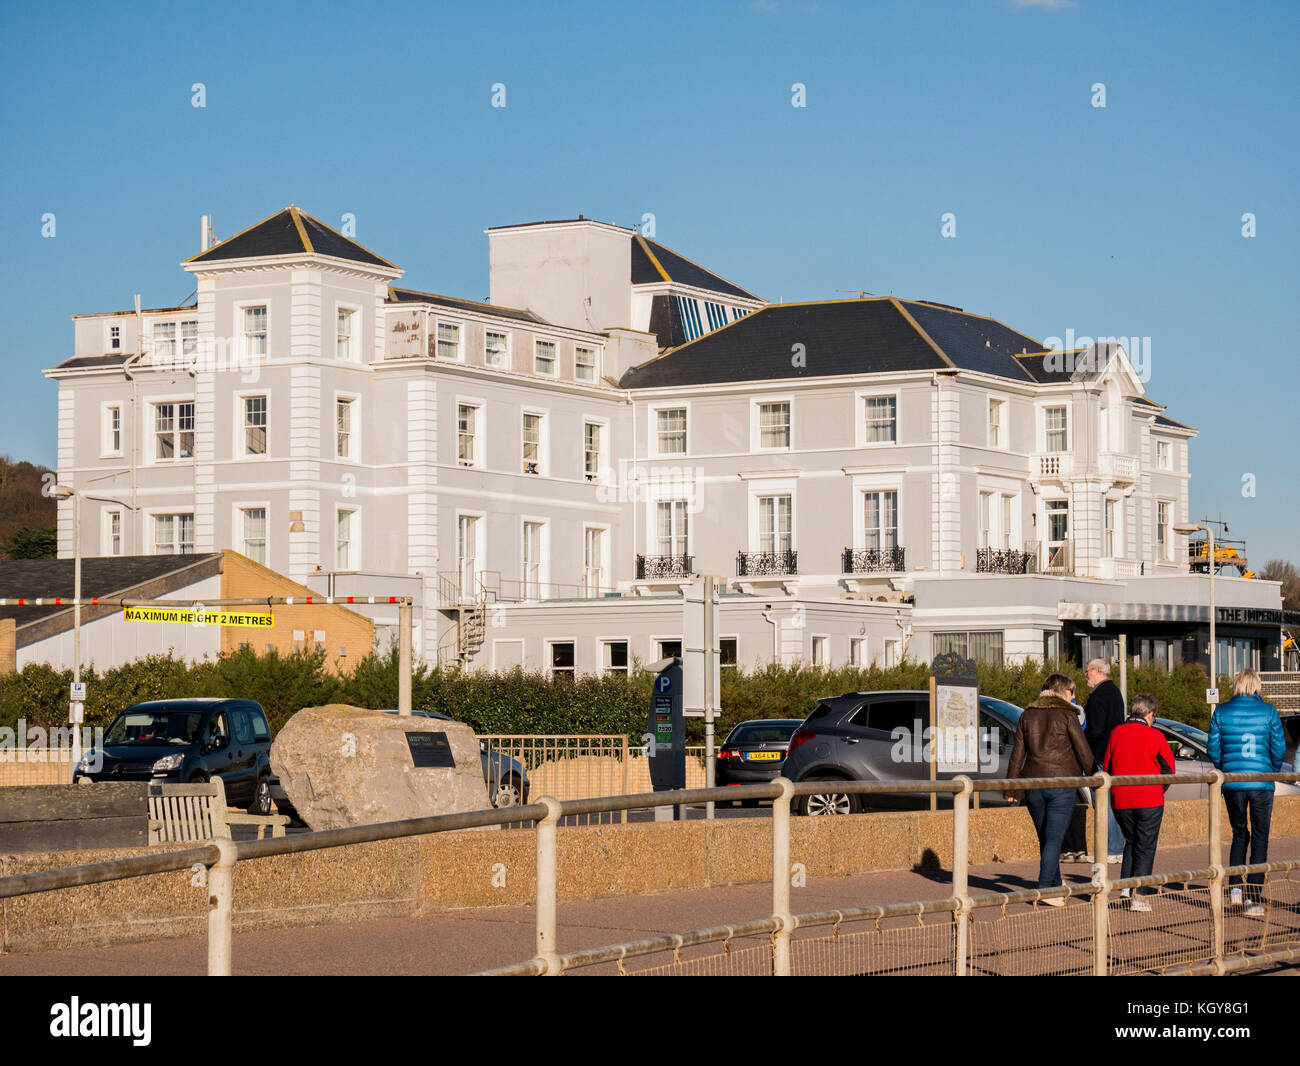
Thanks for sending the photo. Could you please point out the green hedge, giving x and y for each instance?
(523, 702)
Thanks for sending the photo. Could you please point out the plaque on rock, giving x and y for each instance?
(430, 749)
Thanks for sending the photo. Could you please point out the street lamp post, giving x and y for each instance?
(1192, 527)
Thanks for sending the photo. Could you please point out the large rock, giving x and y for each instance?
(343, 766)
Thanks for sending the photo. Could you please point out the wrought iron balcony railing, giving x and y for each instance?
(873, 560)
(1005, 561)
(766, 564)
(652, 567)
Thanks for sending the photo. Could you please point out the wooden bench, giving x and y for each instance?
(184, 814)
(69, 817)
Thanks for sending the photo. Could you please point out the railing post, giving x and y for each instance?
(781, 878)
(627, 775)
(547, 835)
(1101, 876)
(221, 908)
(961, 868)
(1216, 864)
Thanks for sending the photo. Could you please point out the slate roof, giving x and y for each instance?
(86, 362)
(289, 232)
(102, 577)
(1165, 420)
(403, 296)
(838, 337)
(652, 262)
(974, 342)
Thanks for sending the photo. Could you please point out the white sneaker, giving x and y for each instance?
(1115, 858)
(1254, 910)
(1057, 901)
(1124, 893)
(1234, 898)
(1139, 904)
(1069, 856)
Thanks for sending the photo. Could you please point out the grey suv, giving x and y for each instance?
(880, 736)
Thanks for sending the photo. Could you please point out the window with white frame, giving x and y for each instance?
(254, 425)
(997, 423)
(670, 426)
(1164, 455)
(544, 357)
(173, 430)
(448, 341)
(112, 444)
(345, 545)
(1110, 529)
(344, 431)
(253, 332)
(775, 517)
(584, 364)
(532, 560)
(467, 427)
(115, 337)
(1058, 531)
(190, 337)
(986, 519)
(253, 520)
(591, 434)
(1008, 510)
(671, 529)
(880, 519)
(593, 560)
(1056, 429)
(984, 646)
(467, 527)
(1164, 531)
(496, 349)
(164, 342)
(857, 651)
(173, 534)
(774, 424)
(113, 532)
(533, 429)
(728, 653)
(563, 661)
(881, 419)
(345, 343)
(614, 658)
(819, 651)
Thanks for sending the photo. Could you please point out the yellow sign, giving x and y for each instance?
(196, 616)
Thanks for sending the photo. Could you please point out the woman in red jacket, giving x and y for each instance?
(1135, 748)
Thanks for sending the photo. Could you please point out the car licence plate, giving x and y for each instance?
(762, 756)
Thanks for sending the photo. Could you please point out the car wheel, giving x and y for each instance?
(820, 803)
(508, 795)
(261, 804)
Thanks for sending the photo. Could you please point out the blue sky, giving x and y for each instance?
(1115, 221)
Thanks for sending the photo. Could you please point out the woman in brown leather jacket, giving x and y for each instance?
(1050, 743)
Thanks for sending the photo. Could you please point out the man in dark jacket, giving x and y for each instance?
(1050, 743)
(1246, 736)
(1104, 711)
(1137, 748)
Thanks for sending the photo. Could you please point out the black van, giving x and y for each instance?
(189, 741)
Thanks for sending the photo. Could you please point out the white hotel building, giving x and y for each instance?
(544, 472)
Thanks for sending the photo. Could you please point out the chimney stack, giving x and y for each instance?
(205, 232)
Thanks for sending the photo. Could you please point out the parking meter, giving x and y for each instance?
(666, 728)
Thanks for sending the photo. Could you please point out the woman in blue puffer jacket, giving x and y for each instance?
(1246, 736)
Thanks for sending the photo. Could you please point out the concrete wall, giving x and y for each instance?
(454, 870)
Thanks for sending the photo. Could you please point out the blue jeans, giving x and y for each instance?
(1051, 810)
(1257, 803)
(1115, 835)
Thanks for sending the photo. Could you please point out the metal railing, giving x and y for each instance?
(652, 567)
(1005, 561)
(767, 564)
(957, 945)
(873, 560)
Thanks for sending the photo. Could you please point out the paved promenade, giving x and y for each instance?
(463, 942)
